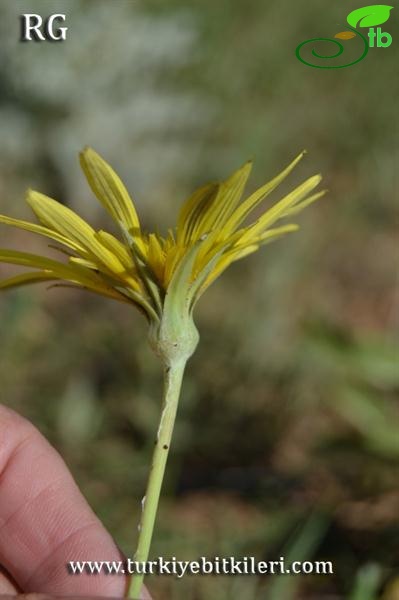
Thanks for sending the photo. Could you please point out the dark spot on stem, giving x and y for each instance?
(165, 446)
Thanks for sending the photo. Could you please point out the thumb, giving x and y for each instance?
(45, 522)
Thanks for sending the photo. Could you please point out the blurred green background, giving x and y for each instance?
(287, 437)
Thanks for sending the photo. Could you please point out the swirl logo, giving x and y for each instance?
(368, 16)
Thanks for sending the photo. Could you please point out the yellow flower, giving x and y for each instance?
(148, 270)
(162, 276)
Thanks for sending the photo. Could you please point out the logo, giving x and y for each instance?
(367, 17)
(33, 28)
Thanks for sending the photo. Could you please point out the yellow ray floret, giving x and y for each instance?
(140, 268)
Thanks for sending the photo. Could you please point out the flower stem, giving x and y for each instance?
(173, 375)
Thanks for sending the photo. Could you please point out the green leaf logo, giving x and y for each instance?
(369, 16)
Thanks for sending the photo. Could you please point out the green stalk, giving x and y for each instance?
(173, 375)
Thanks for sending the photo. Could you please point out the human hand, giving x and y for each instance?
(45, 522)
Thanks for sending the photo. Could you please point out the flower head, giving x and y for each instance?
(162, 276)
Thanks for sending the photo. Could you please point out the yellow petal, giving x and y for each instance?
(109, 190)
(63, 220)
(26, 278)
(156, 257)
(120, 251)
(58, 269)
(73, 273)
(281, 209)
(75, 260)
(301, 205)
(227, 198)
(32, 227)
(214, 215)
(236, 251)
(250, 203)
(267, 236)
(210, 206)
(191, 211)
(15, 257)
(116, 247)
(60, 218)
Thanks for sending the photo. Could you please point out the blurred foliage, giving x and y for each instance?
(290, 405)
(366, 583)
